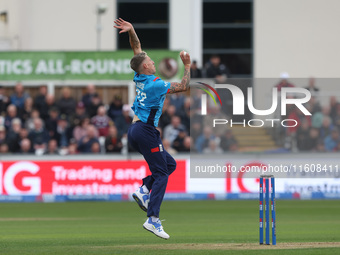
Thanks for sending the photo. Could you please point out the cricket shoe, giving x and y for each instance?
(156, 228)
(141, 198)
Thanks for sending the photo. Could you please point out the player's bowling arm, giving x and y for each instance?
(125, 26)
(134, 42)
(184, 84)
(176, 87)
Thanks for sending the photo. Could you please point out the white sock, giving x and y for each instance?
(145, 189)
(154, 218)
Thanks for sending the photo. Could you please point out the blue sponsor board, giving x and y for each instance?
(187, 196)
(18, 198)
(168, 196)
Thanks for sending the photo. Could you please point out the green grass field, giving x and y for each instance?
(195, 227)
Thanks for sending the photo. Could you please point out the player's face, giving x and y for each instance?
(151, 65)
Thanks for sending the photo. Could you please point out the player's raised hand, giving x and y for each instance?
(123, 25)
(185, 57)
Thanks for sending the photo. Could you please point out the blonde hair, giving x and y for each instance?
(137, 60)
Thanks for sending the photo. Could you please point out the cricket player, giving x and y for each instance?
(143, 135)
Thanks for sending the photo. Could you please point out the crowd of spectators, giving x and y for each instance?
(59, 124)
(318, 132)
(48, 124)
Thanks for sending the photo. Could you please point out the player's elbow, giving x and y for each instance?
(185, 86)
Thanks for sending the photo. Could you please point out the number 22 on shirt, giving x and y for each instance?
(141, 96)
